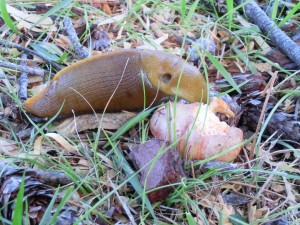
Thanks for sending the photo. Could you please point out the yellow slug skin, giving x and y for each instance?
(118, 80)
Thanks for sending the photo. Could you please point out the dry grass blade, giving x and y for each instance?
(269, 91)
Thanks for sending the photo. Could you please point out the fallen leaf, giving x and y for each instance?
(109, 121)
(278, 188)
(8, 148)
(159, 166)
(153, 44)
(111, 20)
(263, 67)
(38, 150)
(265, 48)
(261, 213)
(29, 21)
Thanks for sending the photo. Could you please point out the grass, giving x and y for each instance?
(270, 180)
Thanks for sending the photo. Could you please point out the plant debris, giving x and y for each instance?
(159, 167)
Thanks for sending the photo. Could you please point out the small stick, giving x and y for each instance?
(217, 165)
(21, 68)
(29, 51)
(50, 177)
(80, 50)
(269, 28)
(264, 190)
(296, 109)
(23, 80)
(262, 115)
(123, 203)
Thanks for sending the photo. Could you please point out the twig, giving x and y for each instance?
(217, 165)
(29, 51)
(80, 50)
(262, 115)
(296, 109)
(269, 28)
(21, 68)
(254, 186)
(52, 178)
(23, 80)
(258, 194)
(123, 203)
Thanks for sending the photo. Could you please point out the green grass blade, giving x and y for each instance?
(47, 213)
(129, 124)
(5, 16)
(61, 5)
(63, 201)
(229, 4)
(45, 52)
(97, 204)
(191, 12)
(290, 14)
(18, 210)
(134, 181)
(223, 71)
(264, 126)
(183, 10)
(275, 10)
(245, 59)
(122, 163)
(190, 219)
(237, 219)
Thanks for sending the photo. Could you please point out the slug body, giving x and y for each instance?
(122, 80)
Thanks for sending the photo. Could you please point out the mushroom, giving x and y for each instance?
(197, 130)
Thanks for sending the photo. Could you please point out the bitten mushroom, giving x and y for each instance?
(199, 132)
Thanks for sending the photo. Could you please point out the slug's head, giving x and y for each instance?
(173, 76)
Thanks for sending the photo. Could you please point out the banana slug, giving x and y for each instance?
(118, 79)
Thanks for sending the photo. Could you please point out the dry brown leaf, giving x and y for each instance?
(248, 48)
(154, 44)
(226, 211)
(265, 48)
(278, 188)
(261, 213)
(157, 31)
(288, 106)
(35, 79)
(8, 148)
(109, 121)
(28, 21)
(251, 212)
(166, 168)
(263, 67)
(114, 19)
(83, 166)
(165, 16)
(63, 41)
(38, 149)
(106, 9)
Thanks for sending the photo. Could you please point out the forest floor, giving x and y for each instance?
(80, 169)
